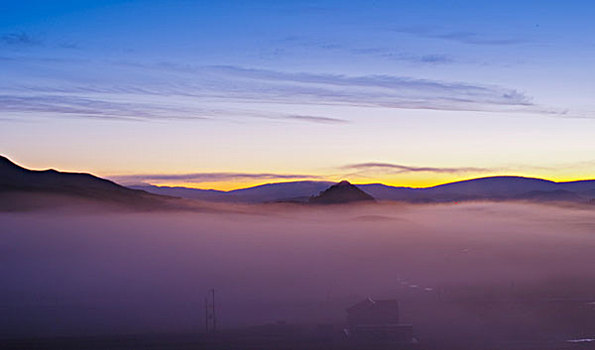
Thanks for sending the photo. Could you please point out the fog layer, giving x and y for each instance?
(483, 270)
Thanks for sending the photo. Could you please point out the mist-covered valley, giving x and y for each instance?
(464, 274)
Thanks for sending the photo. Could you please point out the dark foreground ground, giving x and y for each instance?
(266, 338)
(242, 339)
(179, 342)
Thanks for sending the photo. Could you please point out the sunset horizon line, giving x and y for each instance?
(413, 177)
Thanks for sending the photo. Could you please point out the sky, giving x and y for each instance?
(229, 94)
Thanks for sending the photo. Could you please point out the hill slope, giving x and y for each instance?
(22, 188)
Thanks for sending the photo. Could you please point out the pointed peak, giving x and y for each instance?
(342, 192)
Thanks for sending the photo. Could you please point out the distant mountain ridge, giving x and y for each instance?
(487, 188)
(16, 179)
(295, 191)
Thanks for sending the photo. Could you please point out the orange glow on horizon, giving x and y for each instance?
(414, 181)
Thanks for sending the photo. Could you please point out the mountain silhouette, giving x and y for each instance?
(495, 188)
(342, 192)
(294, 191)
(23, 185)
(18, 183)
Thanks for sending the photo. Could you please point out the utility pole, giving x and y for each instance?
(210, 316)
(207, 314)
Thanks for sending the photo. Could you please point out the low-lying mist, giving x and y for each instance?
(459, 271)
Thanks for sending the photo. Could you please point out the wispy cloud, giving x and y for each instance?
(208, 177)
(69, 44)
(20, 39)
(475, 38)
(465, 37)
(95, 108)
(400, 168)
(403, 56)
(83, 107)
(377, 168)
(372, 90)
(210, 92)
(383, 52)
(321, 120)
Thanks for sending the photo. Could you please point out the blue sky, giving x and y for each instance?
(300, 88)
